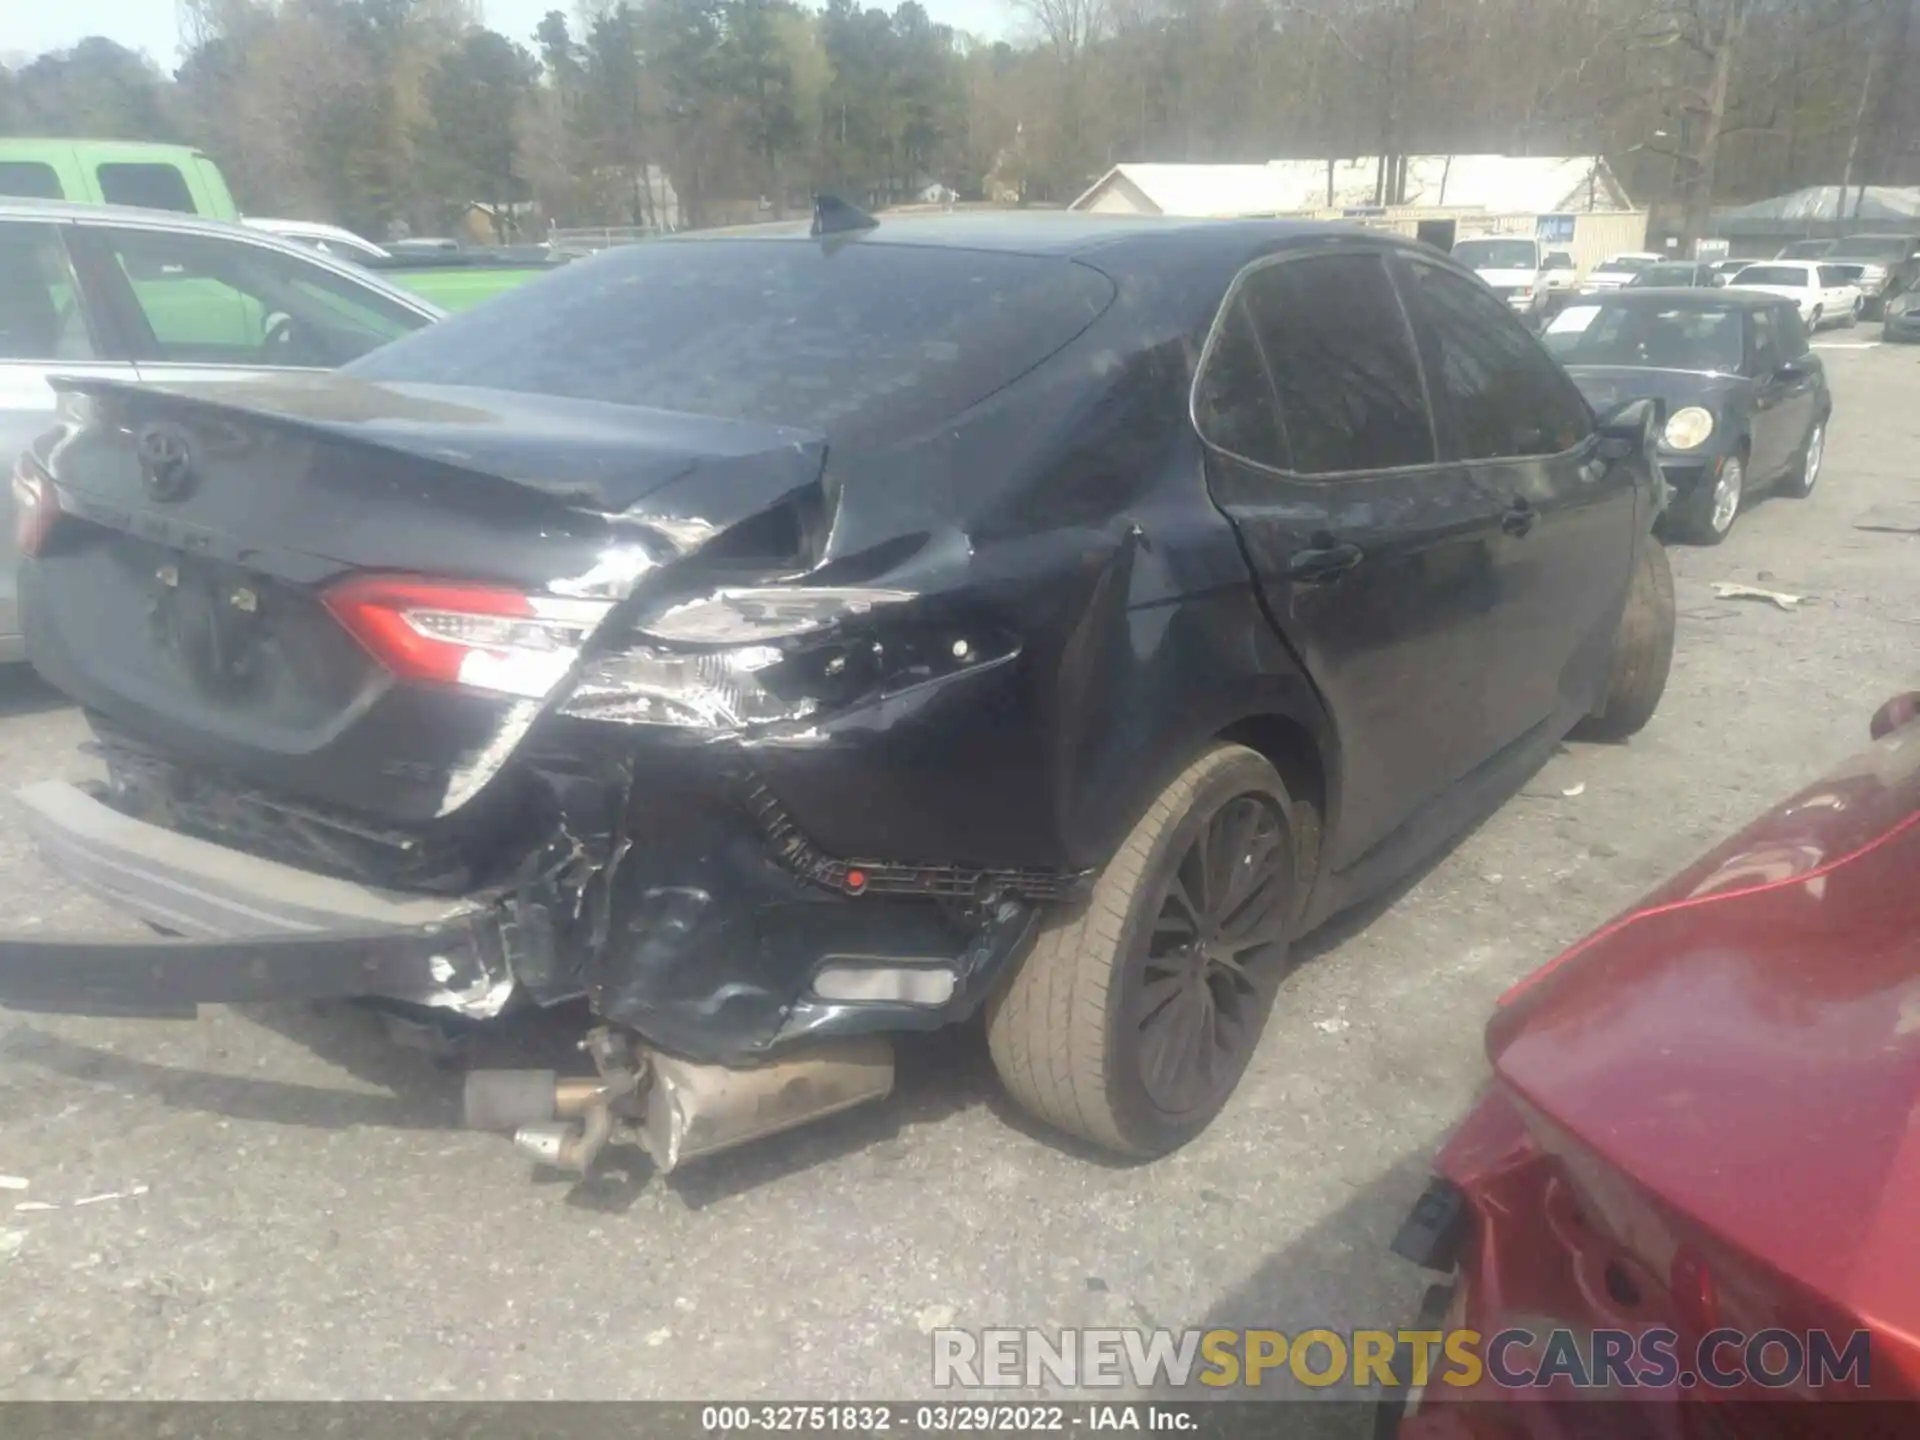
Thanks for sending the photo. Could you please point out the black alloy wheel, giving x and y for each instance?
(1224, 911)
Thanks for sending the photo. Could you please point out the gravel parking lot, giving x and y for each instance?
(297, 1217)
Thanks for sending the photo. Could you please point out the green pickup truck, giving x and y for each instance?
(182, 179)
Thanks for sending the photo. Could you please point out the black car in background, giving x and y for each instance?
(786, 638)
(1745, 399)
(1902, 321)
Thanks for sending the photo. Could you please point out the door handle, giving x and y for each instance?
(1325, 563)
(1519, 517)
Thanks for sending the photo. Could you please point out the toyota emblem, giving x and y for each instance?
(166, 462)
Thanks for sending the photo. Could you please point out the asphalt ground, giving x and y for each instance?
(294, 1214)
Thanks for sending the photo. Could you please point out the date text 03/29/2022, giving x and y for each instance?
(946, 1418)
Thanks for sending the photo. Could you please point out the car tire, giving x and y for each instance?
(1707, 513)
(1083, 1031)
(1813, 320)
(1642, 651)
(1853, 316)
(1805, 475)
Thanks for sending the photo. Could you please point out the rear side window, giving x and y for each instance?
(1496, 393)
(1234, 403)
(153, 187)
(1342, 362)
(1832, 275)
(40, 314)
(860, 341)
(31, 178)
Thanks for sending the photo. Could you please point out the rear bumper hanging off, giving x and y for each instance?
(249, 929)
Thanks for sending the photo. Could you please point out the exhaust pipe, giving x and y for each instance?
(687, 1110)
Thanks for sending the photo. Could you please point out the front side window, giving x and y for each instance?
(1837, 275)
(40, 313)
(1560, 260)
(1769, 354)
(151, 187)
(1343, 364)
(1495, 394)
(1234, 403)
(207, 300)
(1794, 339)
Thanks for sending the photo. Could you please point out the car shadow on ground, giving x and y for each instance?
(23, 692)
(1337, 1275)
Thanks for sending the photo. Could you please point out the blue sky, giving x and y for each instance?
(150, 25)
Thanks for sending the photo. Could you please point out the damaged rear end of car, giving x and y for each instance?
(464, 697)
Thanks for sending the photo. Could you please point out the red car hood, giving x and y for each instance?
(1745, 1047)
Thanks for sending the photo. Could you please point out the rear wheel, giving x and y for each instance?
(1131, 1020)
(1853, 315)
(1813, 320)
(1806, 475)
(1642, 651)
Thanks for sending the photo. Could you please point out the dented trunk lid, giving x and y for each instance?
(179, 597)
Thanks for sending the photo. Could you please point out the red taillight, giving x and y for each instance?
(477, 636)
(36, 506)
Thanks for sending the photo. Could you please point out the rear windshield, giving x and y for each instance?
(1665, 275)
(1495, 254)
(1772, 275)
(1624, 265)
(858, 341)
(1689, 337)
(1805, 250)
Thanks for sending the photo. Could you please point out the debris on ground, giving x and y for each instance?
(1728, 590)
(27, 1205)
(1890, 519)
(1331, 1026)
(12, 1182)
(128, 1194)
(10, 1243)
(1579, 787)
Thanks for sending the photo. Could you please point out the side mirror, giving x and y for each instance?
(1794, 370)
(1627, 430)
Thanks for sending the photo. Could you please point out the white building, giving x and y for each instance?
(1499, 184)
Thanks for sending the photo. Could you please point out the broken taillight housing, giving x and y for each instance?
(476, 636)
(36, 506)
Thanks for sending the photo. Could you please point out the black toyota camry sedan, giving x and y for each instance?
(790, 638)
(1746, 401)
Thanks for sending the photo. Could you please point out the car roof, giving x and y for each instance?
(1719, 298)
(1068, 233)
(59, 212)
(20, 207)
